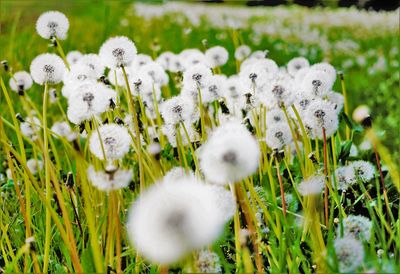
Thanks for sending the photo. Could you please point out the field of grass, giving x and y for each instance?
(75, 227)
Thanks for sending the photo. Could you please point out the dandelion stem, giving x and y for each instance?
(326, 204)
(132, 110)
(346, 106)
(47, 180)
(278, 173)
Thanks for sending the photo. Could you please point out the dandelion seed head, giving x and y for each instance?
(52, 23)
(192, 57)
(31, 127)
(364, 170)
(253, 76)
(34, 165)
(278, 135)
(327, 68)
(229, 155)
(316, 83)
(64, 130)
(196, 76)
(349, 252)
(156, 73)
(21, 81)
(277, 94)
(177, 109)
(296, 64)
(166, 60)
(233, 90)
(213, 89)
(357, 226)
(79, 74)
(48, 68)
(345, 177)
(274, 116)
(216, 56)
(313, 185)
(268, 65)
(171, 131)
(205, 262)
(73, 57)
(140, 60)
(259, 54)
(360, 113)
(170, 220)
(117, 52)
(93, 63)
(113, 138)
(88, 101)
(336, 99)
(111, 180)
(225, 201)
(176, 173)
(242, 52)
(321, 114)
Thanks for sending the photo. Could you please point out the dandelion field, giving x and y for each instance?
(193, 138)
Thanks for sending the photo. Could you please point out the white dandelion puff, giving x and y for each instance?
(316, 83)
(275, 116)
(242, 52)
(360, 113)
(296, 64)
(73, 57)
(278, 93)
(89, 101)
(172, 131)
(321, 114)
(349, 252)
(205, 262)
(31, 127)
(63, 129)
(196, 76)
(253, 76)
(177, 109)
(93, 63)
(166, 59)
(176, 173)
(312, 185)
(110, 141)
(336, 99)
(170, 220)
(140, 60)
(213, 89)
(52, 23)
(225, 201)
(117, 52)
(34, 165)
(278, 135)
(156, 73)
(47, 68)
(327, 68)
(364, 170)
(229, 155)
(345, 177)
(192, 57)
(216, 56)
(79, 74)
(109, 180)
(21, 81)
(357, 226)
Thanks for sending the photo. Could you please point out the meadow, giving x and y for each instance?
(193, 138)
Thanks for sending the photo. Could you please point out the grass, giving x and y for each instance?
(73, 226)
